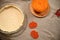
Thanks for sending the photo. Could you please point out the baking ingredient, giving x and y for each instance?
(33, 24)
(58, 13)
(40, 5)
(11, 19)
(34, 34)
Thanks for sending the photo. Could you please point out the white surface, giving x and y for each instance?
(48, 27)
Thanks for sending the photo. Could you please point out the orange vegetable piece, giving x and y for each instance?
(33, 24)
(34, 34)
(39, 5)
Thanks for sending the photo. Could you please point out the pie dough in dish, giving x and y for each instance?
(11, 18)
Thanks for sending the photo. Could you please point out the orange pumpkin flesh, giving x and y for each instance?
(39, 8)
(39, 5)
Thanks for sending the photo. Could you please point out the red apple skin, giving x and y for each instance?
(57, 13)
